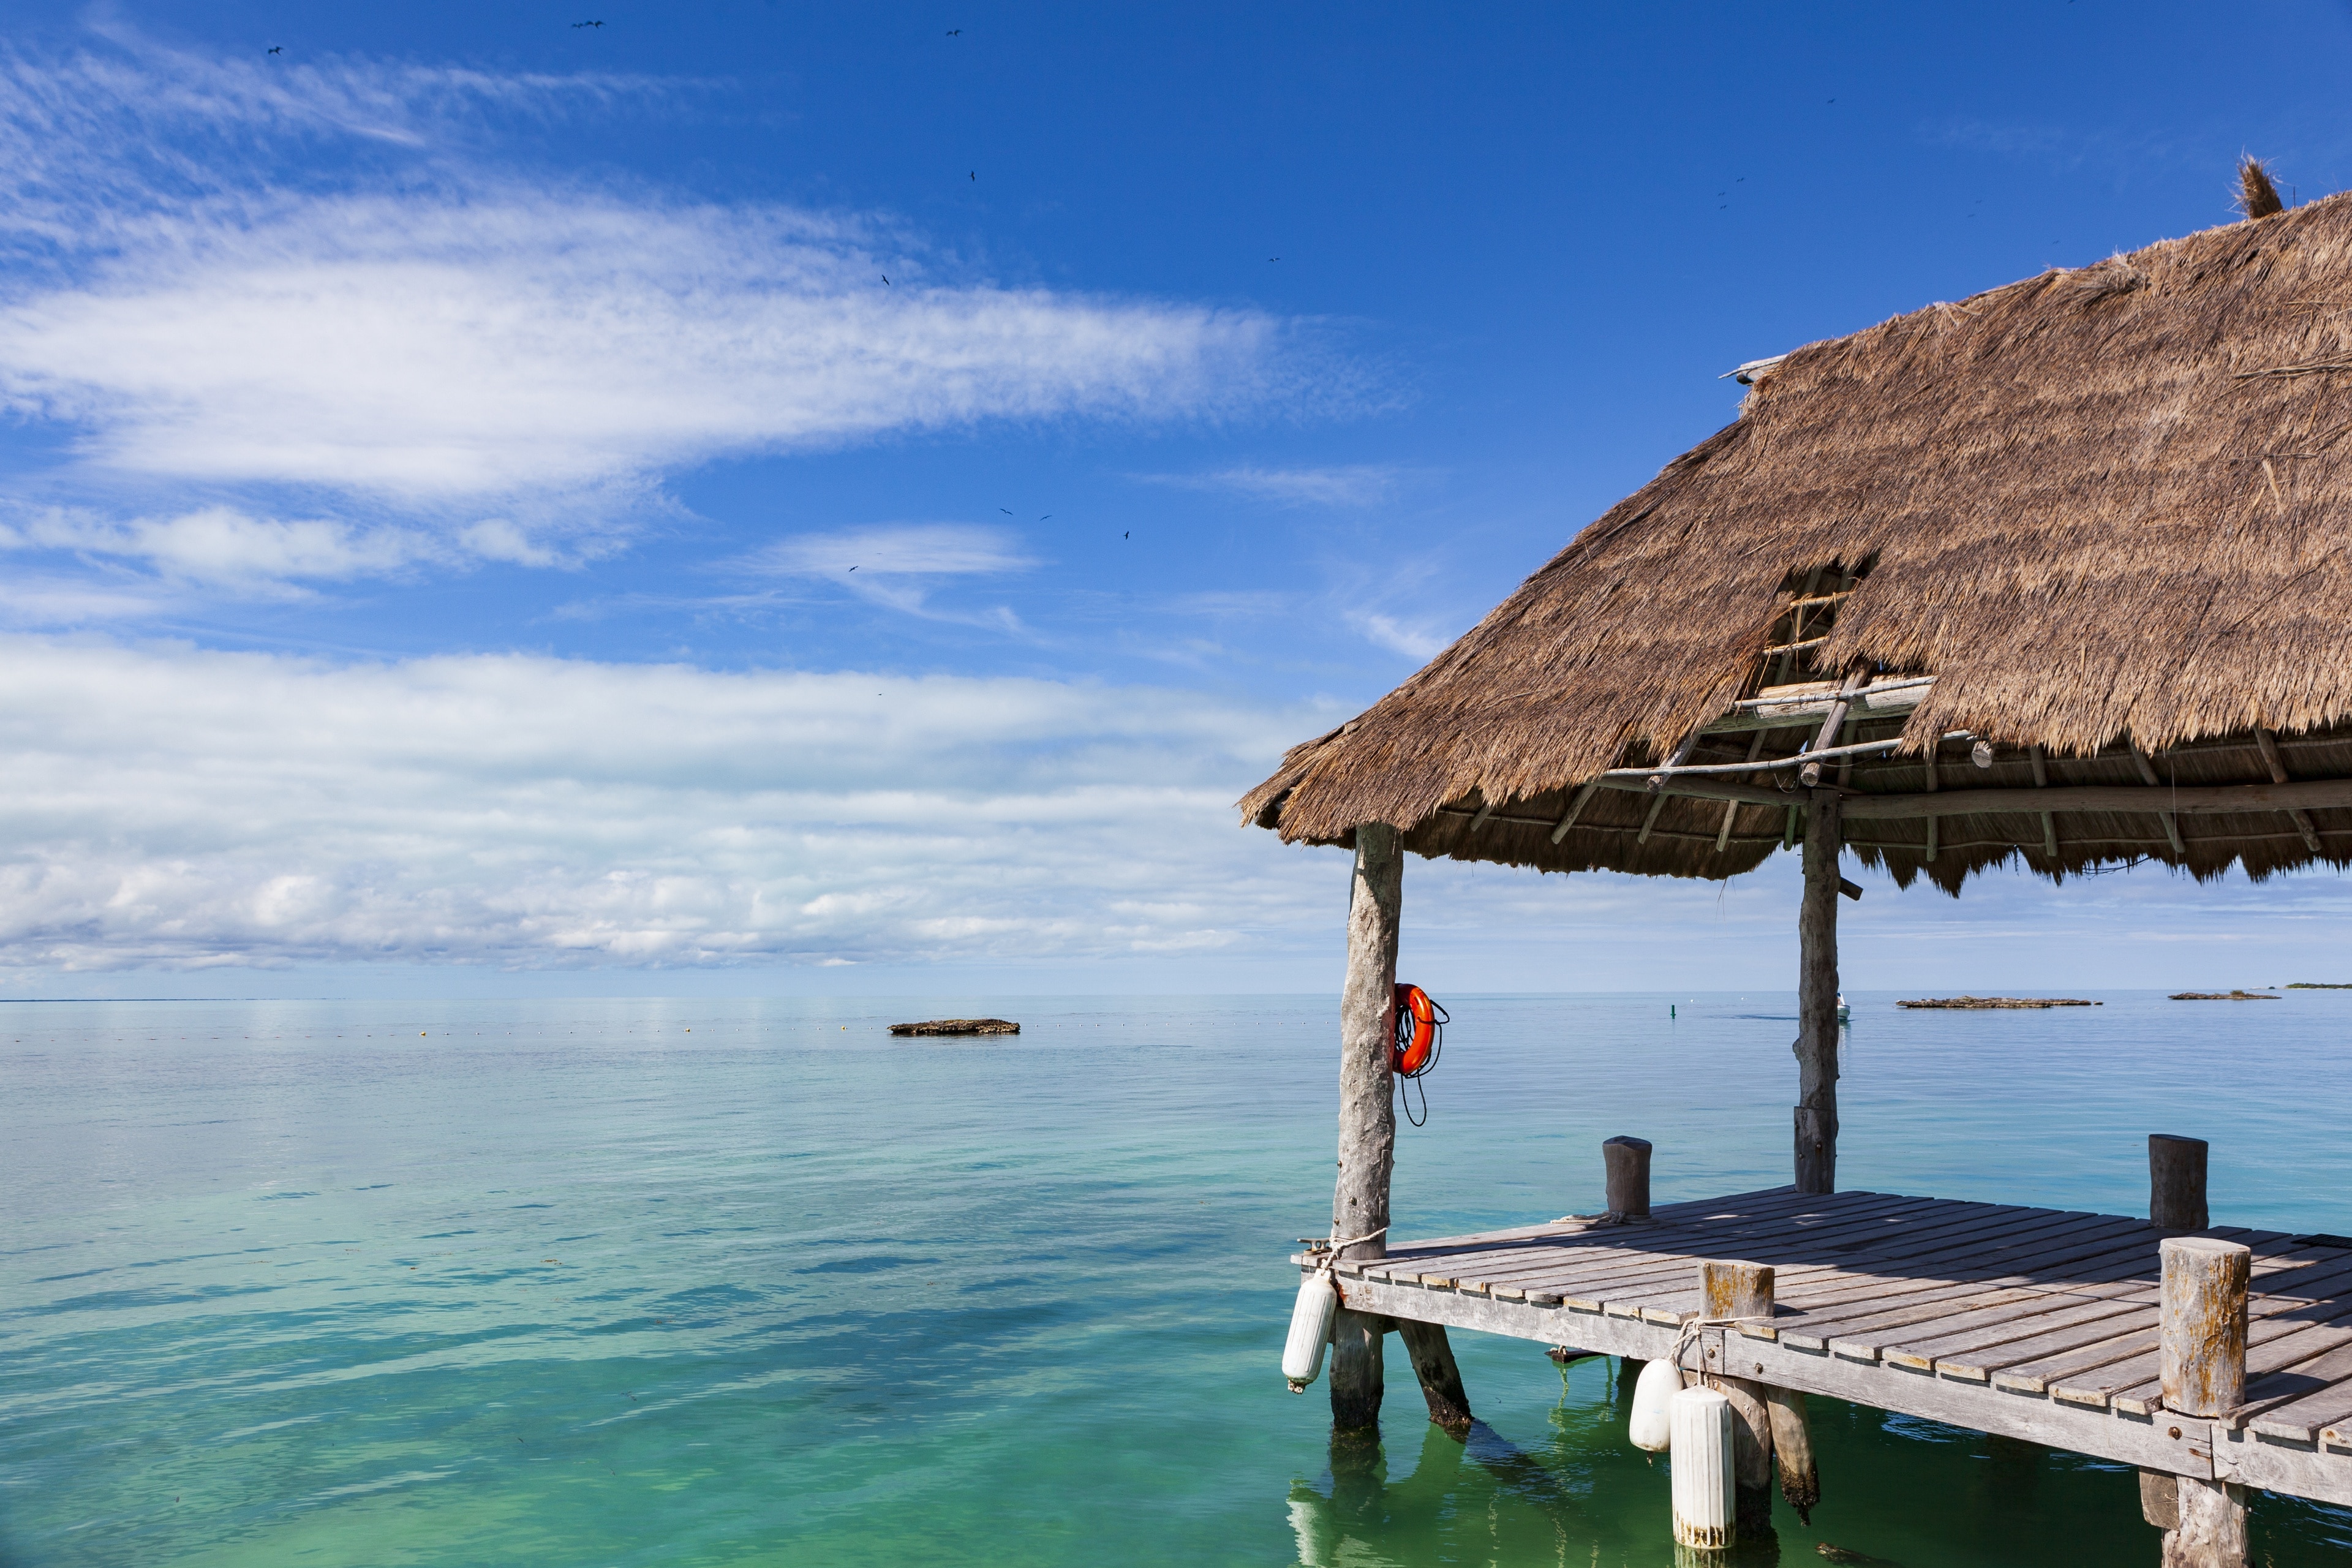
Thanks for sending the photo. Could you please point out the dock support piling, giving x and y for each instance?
(2202, 1363)
(1817, 993)
(1360, 1198)
(1441, 1380)
(1733, 1289)
(2210, 1532)
(2175, 1183)
(1626, 1163)
(1792, 1451)
(1356, 1371)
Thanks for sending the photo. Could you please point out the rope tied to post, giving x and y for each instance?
(1329, 1250)
(1691, 1329)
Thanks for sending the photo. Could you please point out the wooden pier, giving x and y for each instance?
(1925, 599)
(2040, 1325)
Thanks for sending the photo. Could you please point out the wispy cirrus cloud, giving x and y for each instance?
(1415, 639)
(898, 565)
(422, 344)
(899, 549)
(1347, 485)
(221, 544)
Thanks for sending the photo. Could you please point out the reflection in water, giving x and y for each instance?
(1897, 1492)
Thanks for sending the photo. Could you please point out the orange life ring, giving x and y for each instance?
(1420, 1024)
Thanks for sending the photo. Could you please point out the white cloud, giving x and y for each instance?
(896, 565)
(1414, 641)
(512, 370)
(437, 350)
(1350, 485)
(176, 807)
(224, 545)
(925, 549)
(172, 808)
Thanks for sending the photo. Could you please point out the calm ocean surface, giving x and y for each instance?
(727, 1282)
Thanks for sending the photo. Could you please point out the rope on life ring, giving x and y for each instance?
(1419, 1040)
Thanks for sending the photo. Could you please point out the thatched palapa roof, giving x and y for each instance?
(2092, 533)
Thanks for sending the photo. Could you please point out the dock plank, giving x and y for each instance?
(2032, 1321)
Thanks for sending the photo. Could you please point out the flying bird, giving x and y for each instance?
(1129, 534)
(1048, 517)
(955, 32)
(975, 174)
(277, 49)
(853, 568)
(886, 281)
(1273, 258)
(587, 23)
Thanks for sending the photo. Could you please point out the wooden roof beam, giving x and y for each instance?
(2202, 800)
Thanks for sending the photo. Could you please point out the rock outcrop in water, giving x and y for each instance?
(2001, 1002)
(959, 1027)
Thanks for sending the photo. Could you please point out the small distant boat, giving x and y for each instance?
(1845, 1014)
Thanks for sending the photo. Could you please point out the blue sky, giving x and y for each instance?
(782, 497)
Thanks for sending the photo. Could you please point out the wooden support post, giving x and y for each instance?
(2211, 1528)
(1626, 1161)
(1792, 1451)
(1441, 1380)
(2202, 1362)
(2175, 1183)
(1356, 1371)
(1728, 1290)
(1359, 1199)
(1817, 995)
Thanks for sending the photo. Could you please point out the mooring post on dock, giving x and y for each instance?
(1359, 1199)
(1817, 995)
(2175, 1183)
(1734, 1290)
(2202, 1365)
(1626, 1161)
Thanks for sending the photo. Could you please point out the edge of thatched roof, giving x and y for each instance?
(2109, 506)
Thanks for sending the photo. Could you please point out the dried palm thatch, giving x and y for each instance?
(2257, 193)
(2109, 510)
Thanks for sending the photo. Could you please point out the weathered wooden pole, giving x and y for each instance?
(1441, 1380)
(2202, 1363)
(1360, 1200)
(2209, 1528)
(1727, 1291)
(2175, 1183)
(1817, 995)
(1626, 1163)
(1356, 1372)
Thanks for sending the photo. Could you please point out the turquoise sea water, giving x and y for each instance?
(671, 1282)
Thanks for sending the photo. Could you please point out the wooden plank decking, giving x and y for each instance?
(2032, 1323)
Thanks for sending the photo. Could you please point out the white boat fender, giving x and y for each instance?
(1315, 1312)
(1653, 1426)
(1310, 1329)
